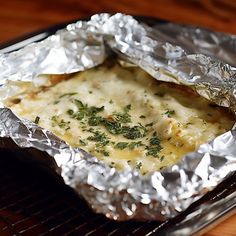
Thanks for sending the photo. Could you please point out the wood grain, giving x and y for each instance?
(21, 17)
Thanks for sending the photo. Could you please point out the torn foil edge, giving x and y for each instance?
(125, 195)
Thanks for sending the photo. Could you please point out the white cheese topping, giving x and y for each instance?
(125, 117)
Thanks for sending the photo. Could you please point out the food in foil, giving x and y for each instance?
(185, 56)
(123, 116)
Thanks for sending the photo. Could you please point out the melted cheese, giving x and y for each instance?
(175, 115)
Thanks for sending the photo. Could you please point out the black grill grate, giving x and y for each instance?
(33, 202)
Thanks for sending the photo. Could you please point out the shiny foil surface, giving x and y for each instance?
(190, 56)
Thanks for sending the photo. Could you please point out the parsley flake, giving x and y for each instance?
(169, 113)
(68, 94)
(82, 142)
(37, 118)
(99, 137)
(121, 145)
(61, 123)
(139, 165)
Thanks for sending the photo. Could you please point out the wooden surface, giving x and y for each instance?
(21, 17)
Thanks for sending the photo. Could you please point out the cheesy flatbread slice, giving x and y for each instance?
(124, 117)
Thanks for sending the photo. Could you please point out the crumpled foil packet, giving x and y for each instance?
(190, 56)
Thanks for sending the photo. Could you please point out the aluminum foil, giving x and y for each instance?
(183, 55)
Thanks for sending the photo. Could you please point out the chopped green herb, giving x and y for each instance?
(114, 124)
(163, 167)
(64, 124)
(149, 124)
(121, 145)
(112, 164)
(111, 102)
(76, 115)
(83, 110)
(94, 120)
(155, 141)
(37, 118)
(90, 92)
(154, 146)
(153, 151)
(70, 112)
(122, 117)
(56, 102)
(162, 158)
(94, 110)
(61, 123)
(68, 94)
(142, 117)
(99, 137)
(169, 113)
(105, 153)
(79, 104)
(135, 132)
(127, 108)
(55, 118)
(91, 130)
(189, 123)
(82, 142)
(112, 127)
(133, 145)
(139, 165)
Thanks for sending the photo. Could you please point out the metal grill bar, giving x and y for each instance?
(107, 227)
(88, 224)
(129, 227)
(59, 228)
(23, 210)
(145, 229)
(16, 201)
